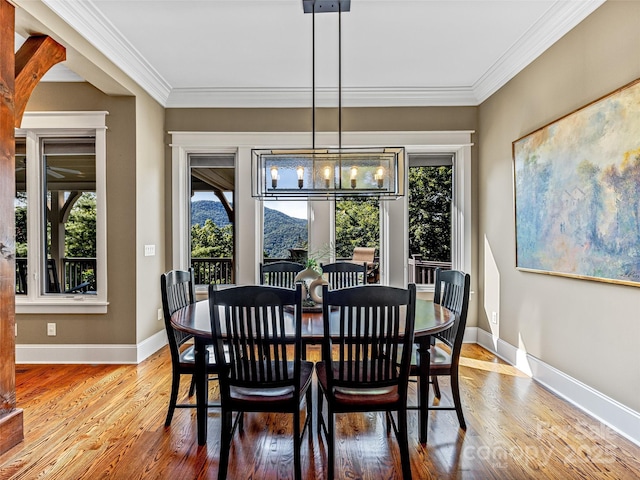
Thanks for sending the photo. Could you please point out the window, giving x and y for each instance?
(212, 226)
(60, 214)
(393, 251)
(285, 230)
(357, 224)
(430, 207)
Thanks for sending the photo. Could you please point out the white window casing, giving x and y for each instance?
(37, 125)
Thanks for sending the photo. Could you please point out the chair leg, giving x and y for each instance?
(296, 446)
(192, 387)
(330, 443)
(173, 398)
(226, 420)
(403, 444)
(436, 386)
(455, 390)
(320, 406)
(309, 401)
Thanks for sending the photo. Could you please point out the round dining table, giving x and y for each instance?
(430, 318)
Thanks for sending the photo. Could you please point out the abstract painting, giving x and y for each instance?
(577, 192)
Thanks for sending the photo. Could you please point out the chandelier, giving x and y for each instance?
(326, 173)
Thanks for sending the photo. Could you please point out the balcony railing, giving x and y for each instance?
(78, 275)
(212, 270)
(424, 271)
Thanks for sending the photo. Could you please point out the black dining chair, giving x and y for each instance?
(178, 290)
(344, 274)
(259, 328)
(366, 351)
(452, 292)
(280, 274)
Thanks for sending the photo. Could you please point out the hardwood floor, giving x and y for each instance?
(107, 421)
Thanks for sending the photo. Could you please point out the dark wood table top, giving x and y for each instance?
(430, 318)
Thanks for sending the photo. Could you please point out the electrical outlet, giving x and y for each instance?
(149, 250)
(51, 329)
(494, 317)
(159, 314)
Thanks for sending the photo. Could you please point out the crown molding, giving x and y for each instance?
(561, 17)
(246, 97)
(88, 21)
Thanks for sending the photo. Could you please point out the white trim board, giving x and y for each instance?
(88, 354)
(619, 417)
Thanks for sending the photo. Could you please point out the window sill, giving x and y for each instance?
(72, 305)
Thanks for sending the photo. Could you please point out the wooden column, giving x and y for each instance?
(10, 417)
(19, 75)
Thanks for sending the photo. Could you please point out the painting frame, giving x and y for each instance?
(576, 187)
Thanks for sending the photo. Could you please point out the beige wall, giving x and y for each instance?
(586, 329)
(300, 119)
(150, 218)
(118, 326)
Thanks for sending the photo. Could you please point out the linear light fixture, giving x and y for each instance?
(329, 173)
(326, 173)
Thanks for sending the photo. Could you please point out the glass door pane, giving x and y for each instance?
(430, 197)
(212, 223)
(285, 230)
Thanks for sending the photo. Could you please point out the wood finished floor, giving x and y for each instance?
(107, 422)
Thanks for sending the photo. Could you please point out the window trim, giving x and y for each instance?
(394, 214)
(36, 125)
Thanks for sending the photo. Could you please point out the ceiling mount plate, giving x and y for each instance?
(322, 6)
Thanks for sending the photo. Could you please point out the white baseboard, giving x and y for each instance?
(617, 416)
(116, 354)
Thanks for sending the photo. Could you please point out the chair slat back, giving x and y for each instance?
(280, 274)
(178, 290)
(368, 335)
(452, 291)
(261, 328)
(344, 274)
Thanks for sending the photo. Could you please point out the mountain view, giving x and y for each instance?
(281, 231)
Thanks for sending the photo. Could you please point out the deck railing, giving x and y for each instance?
(78, 275)
(77, 271)
(424, 271)
(212, 270)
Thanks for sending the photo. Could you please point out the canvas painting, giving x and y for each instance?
(577, 192)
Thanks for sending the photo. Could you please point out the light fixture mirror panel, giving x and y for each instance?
(375, 172)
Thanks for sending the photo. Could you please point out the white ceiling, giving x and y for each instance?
(243, 53)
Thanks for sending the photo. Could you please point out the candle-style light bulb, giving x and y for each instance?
(300, 171)
(354, 174)
(274, 177)
(327, 176)
(379, 176)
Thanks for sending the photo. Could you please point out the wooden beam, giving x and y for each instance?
(19, 75)
(11, 421)
(35, 57)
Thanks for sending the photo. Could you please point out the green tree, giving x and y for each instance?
(357, 225)
(430, 190)
(80, 229)
(21, 231)
(211, 241)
